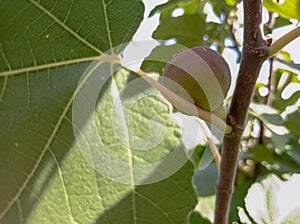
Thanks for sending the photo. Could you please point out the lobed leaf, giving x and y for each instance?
(45, 48)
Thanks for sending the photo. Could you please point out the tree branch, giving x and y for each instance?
(255, 52)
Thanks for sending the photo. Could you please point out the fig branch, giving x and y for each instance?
(255, 52)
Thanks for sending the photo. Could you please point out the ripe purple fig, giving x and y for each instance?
(200, 75)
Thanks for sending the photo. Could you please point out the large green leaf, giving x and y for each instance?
(39, 32)
(293, 122)
(188, 30)
(287, 9)
(189, 7)
(46, 176)
(196, 218)
(170, 6)
(223, 6)
(205, 180)
(164, 53)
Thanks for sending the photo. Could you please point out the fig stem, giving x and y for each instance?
(212, 146)
(284, 40)
(215, 153)
(186, 106)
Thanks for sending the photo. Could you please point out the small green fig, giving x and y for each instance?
(200, 75)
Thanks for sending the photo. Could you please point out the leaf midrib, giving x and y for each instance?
(65, 27)
(122, 115)
(47, 66)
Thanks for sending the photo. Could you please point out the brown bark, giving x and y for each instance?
(255, 52)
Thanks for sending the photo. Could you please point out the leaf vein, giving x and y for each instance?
(107, 26)
(44, 150)
(63, 186)
(69, 11)
(65, 27)
(156, 206)
(119, 109)
(4, 57)
(20, 212)
(3, 88)
(45, 66)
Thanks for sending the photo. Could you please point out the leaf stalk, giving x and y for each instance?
(284, 40)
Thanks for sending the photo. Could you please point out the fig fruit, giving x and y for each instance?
(200, 75)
